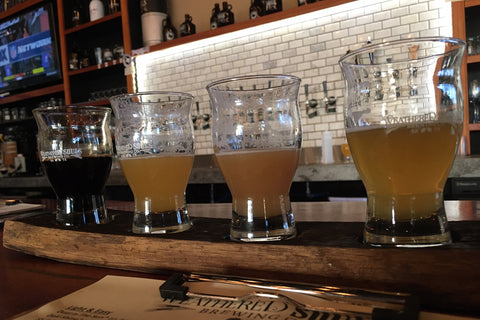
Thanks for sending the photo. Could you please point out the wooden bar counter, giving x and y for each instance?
(45, 262)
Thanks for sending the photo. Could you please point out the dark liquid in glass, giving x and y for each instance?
(73, 176)
(79, 185)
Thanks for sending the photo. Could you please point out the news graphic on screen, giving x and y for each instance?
(28, 50)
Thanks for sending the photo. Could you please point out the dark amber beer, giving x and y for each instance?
(75, 148)
(78, 178)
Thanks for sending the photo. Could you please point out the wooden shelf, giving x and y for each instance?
(472, 3)
(14, 122)
(19, 7)
(473, 58)
(90, 24)
(474, 126)
(103, 102)
(32, 94)
(104, 65)
(459, 31)
(293, 12)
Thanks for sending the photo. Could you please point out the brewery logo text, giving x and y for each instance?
(60, 155)
(427, 117)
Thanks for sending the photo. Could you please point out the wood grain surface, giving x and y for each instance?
(445, 278)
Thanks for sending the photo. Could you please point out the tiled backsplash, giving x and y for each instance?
(308, 46)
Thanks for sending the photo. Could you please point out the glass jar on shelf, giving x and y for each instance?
(470, 46)
(107, 55)
(118, 51)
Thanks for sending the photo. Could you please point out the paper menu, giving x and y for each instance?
(127, 298)
(19, 208)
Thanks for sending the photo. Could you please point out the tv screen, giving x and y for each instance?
(28, 49)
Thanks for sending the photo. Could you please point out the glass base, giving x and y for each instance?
(161, 222)
(81, 210)
(426, 232)
(281, 227)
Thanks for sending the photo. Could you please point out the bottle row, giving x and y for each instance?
(9, 4)
(84, 58)
(96, 10)
(222, 15)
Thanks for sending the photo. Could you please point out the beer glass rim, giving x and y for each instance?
(71, 109)
(347, 58)
(216, 83)
(185, 95)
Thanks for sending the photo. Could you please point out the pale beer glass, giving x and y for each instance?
(403, 121)
(257, 137)
(154, 142)
(75, 150)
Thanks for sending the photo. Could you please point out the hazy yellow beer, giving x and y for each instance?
(158, 182)
(404, 168)
(403, 120)
(155, 145)
(259, 180)
(256, 135)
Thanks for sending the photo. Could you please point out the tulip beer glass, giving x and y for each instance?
(75, 149)
(256, 137)
(155, 145)
(403, 119)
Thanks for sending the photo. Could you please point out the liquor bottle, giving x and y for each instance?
(107, 55)
(187, 27)
(73, 62)
(96, 9)
(114, 6)
(226, 14)
(255, 11)
(214, 19)
(169, 31)
(77, 14)
(84, 59)
(118, 51)
(272, 6)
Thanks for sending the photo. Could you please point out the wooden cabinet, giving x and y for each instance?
(466, 26)
(94, 82)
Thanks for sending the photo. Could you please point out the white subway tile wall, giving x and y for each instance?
(308, 46)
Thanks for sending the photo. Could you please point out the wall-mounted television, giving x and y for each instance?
(29, 55)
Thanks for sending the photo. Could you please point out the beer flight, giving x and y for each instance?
(257, 135)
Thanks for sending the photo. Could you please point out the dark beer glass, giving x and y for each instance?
(75, 149)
